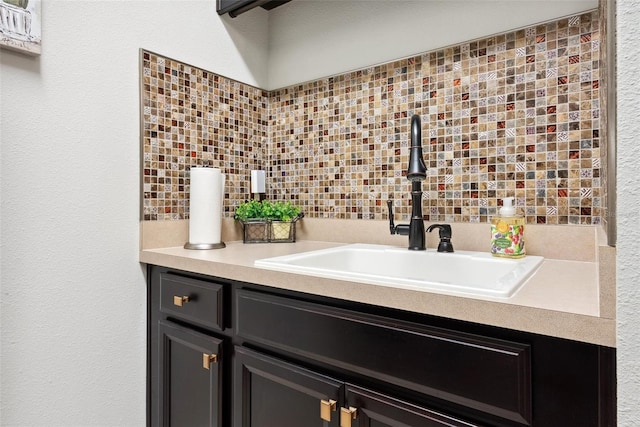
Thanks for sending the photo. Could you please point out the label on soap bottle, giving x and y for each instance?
(507, 240)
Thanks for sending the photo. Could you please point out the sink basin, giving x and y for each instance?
(474, 273)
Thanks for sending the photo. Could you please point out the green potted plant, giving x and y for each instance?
(267, 221)
(254, 222)
(280, 211)
(283, 216)
(249, 210)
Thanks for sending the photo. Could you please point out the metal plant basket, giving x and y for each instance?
(269, 231)
(255, 231)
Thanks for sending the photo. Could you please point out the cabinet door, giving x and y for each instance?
(365, 408)
(189, 378)
(271, 393)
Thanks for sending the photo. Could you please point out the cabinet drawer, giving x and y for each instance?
(192, 300)
(482, 373)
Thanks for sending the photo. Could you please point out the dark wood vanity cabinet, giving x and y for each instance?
(286, 359)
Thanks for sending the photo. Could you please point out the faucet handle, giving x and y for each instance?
(401, 229)
(445, 237)
(392, 226)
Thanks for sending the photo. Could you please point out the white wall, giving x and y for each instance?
(628, 247)
(310, 39)
(73, 294)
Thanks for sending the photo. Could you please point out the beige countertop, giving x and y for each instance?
(564, 298)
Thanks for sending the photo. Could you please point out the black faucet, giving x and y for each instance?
(416, 172)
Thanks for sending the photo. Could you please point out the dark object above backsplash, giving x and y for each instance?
(236, 7)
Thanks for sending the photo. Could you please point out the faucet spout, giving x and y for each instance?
(417, 171)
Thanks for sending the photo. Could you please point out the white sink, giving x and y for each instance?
(465, 272)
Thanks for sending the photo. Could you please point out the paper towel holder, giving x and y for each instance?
(204, 246)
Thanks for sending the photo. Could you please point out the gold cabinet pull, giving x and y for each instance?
(179, 301)
(208, 359)
(326, 406)
(347, 415)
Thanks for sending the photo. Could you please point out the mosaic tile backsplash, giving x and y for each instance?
(516, 114)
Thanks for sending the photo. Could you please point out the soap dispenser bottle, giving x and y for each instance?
(507, 232)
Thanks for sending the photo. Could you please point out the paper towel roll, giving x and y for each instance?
(205, 205)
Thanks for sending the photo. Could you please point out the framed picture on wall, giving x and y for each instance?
(20, 25)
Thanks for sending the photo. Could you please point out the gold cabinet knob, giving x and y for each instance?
(326, 407)
(208, 359)
(179, 301)
(347, 415)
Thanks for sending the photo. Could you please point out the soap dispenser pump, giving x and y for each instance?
(507, 232)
